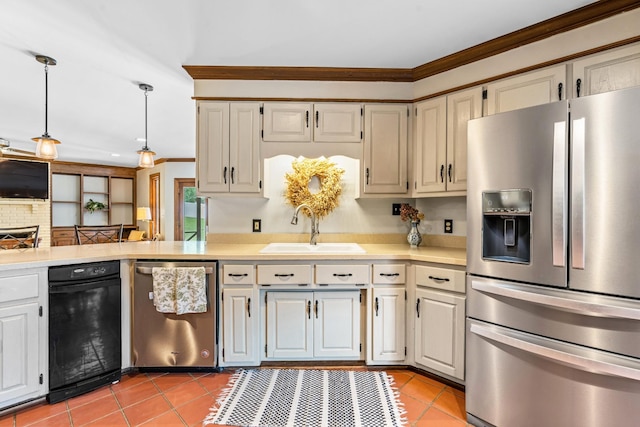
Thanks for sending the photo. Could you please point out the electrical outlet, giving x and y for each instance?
(448, 226)
(257, 225)
(395, 209)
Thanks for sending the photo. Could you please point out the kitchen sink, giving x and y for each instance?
(305, 248)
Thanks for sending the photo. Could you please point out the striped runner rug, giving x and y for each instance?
(292, 397)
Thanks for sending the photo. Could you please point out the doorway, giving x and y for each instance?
(190, 211)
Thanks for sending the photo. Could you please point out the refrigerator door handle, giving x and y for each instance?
(577, 194)
(519, 341)
(558, 205)
(594, 309)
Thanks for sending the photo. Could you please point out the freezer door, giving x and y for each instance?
(605, 174)
(544, 382)
(523, 149)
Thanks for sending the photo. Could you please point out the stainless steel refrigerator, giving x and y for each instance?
(553, 264)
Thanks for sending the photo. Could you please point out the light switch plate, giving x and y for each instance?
(257, 225)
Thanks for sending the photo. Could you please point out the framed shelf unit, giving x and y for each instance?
(75, 184)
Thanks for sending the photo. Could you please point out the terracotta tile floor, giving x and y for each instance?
(184, 399)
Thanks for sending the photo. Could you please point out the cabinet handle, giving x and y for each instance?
(306, 119)
(249, 307)
(418, 307)
(448, 172)
(342, 274)
(316, 309)
(439, 279)
(232, 170)
(283, 275)
(441, 173)
(578, 86)
(224, 174)
(367, 175)
(238, 275)
(317, 118)
(309, 309)
(376, 306)
(559, 91)
(389, 274)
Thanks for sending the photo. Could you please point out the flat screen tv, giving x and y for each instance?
(21, 179)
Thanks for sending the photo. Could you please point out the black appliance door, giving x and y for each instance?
(84, 325)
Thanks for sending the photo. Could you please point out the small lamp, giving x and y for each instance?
(144, 214)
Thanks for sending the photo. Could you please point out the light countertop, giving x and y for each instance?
(61, 255)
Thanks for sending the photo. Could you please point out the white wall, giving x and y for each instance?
(168, 171)
(235, 215)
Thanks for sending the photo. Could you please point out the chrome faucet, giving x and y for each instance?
(314, 222)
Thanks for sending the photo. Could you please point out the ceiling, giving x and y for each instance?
(106, 48)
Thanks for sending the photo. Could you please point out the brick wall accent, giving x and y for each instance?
(25, 212)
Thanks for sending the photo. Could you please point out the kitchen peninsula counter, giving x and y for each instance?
(61, 255)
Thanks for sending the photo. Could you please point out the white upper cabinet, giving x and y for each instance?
(526, 90)
(228, 153)
(604, 72)
(384, 168)
(305, 122)
(441, 141)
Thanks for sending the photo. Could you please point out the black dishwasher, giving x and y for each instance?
(85, 343)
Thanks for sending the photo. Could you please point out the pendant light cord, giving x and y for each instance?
(46, 99)
(146, 95)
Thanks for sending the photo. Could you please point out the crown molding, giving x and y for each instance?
(568, 21)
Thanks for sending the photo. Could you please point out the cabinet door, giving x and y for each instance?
(244, 148)
(385, 149)
(388, 324)
(213, 147)
(19, 356)
(439, 331)
(336, 329)
(527, 90)
(604, 72)
(431, 146)
(289, 325)
(461, 107)
(239, 312)
(287, 122)
(340, 122)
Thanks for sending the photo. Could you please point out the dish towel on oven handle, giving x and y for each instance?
(191, 290)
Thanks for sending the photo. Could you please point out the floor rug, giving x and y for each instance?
(292, 397)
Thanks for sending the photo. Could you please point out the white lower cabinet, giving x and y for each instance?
(240, 313)
(321, 325)
(388, 334)
(19, 361)
(23, 349)
(439, 331)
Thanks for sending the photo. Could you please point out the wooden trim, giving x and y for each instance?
(72, 168)
(215, 72)
(178, 214)
(170, 160)
(316, 100)
(154, 203)
(568, 21)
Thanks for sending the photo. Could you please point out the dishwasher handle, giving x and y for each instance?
(149, 270)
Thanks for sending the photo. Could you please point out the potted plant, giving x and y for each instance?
(93, 206)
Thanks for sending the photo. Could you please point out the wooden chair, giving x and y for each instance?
(19, 237)
(90, 234)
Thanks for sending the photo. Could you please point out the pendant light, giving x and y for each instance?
(146, 155)
(46, 148)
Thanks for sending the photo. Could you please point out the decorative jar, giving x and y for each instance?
(414, 238)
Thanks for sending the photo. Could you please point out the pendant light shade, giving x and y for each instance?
(146, 155)
(46, 148)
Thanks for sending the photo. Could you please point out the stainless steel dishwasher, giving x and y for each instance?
(165, 340)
